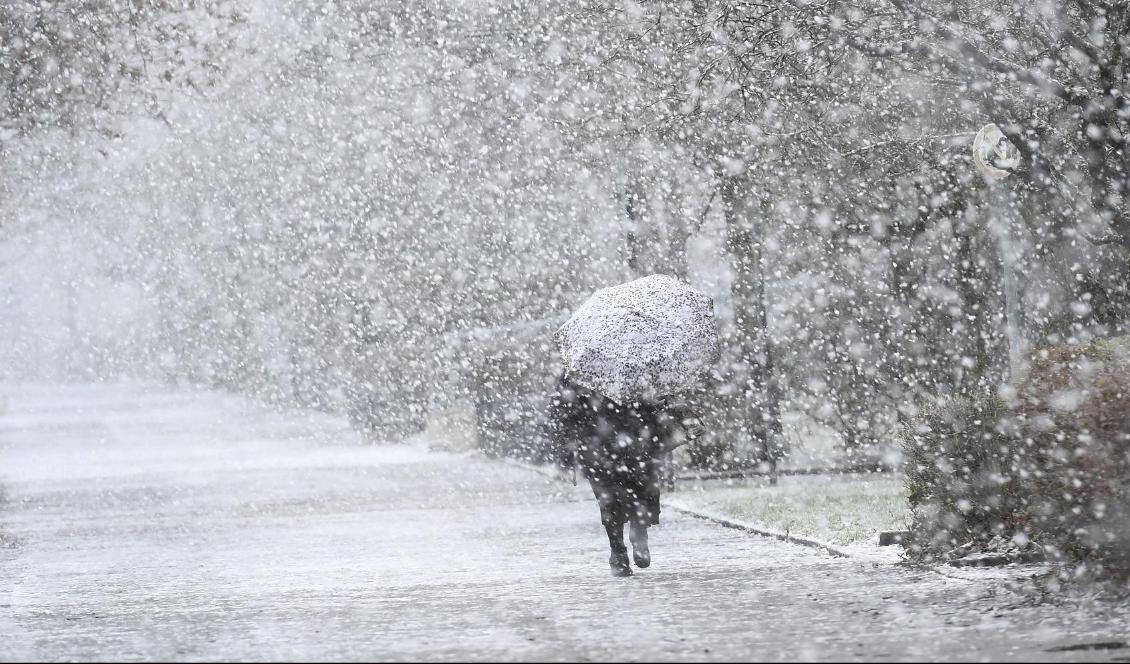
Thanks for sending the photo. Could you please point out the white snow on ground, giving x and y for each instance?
(152, 523)
(840, 509)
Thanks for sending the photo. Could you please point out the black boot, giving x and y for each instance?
(640, 552)
(619, 564)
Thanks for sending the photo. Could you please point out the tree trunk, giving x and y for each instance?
(760, 392)
(647, 251)
(971, 288)
(633, 242)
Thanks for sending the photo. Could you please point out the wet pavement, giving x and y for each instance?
(154, 523)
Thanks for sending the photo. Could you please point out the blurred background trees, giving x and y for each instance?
(384, 210)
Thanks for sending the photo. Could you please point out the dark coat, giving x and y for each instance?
(618, 448)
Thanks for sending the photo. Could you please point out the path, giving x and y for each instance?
(161, 524)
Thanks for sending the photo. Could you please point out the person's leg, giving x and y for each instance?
(645, 510)
(638, 535)
(618, 560)
(612, 517)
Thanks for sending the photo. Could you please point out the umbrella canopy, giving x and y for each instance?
(643, 340)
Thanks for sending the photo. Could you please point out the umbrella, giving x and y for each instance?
(644, 340)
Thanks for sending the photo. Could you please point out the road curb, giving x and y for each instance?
(540, 470)
(964, 574)
(724, 521)
(759, 530)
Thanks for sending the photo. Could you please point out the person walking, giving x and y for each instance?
(629, 352)
(620, 448)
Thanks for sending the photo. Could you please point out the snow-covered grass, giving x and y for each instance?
(837, 509)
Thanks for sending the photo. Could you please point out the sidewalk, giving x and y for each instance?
(156, 524)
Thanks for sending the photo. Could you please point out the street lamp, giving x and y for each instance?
(996, 158)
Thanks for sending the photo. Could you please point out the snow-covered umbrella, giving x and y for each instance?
(644, 340)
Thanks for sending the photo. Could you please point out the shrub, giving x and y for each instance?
(955, 459)
(1047, 461)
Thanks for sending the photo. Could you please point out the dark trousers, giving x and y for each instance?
(627, 494)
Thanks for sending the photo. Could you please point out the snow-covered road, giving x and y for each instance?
(155, 523)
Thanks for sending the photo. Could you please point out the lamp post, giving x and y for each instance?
(996, 158)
